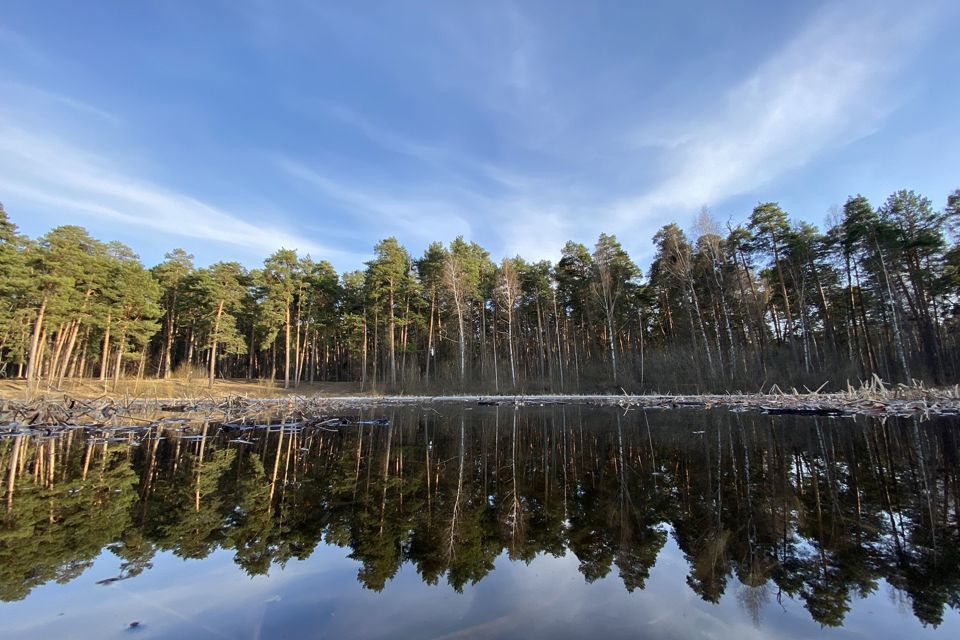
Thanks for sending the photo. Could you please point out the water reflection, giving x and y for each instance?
(814, 510)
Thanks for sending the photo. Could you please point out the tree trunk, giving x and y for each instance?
(106, 350)
(540, 349)
(433, 302)
(58, 342)
(613, 348)
(783, 283)
(296, 344)
(392, 340)
(463, 348)
(76, 366)
(32, 364)
(556, 319)
(71, 343)
(286, 346)
(168, 339)
(214, 339)
(302, 353)
(496, 361)
(513, 368)
(118, 365)
(250, 353)
(703, 328)
(363, 374)
(895, 316)
(404, 336)
(191, 342)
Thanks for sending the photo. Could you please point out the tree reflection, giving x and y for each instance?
(818, 510)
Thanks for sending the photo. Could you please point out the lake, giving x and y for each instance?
(458, 520)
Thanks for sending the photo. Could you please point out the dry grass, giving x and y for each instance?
(186, 387)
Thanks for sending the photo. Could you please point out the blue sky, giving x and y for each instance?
(233, 128)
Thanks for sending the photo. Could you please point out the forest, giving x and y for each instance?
(722, 307)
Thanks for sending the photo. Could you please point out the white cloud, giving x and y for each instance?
(536, 230)
(533, 162)
(832, 83)
(532, 228)
(827, 87)
(48, 171)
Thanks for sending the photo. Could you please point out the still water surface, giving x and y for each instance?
(447, 521)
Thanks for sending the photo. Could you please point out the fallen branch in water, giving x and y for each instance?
(872, 397)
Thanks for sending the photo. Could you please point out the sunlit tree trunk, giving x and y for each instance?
(32, 361)
(71, 343)
(214, 339)
(458, 301)
(392, 339)
(433, 303)
(286, 345)
(118, 365)
(59, 337)
(106, 351)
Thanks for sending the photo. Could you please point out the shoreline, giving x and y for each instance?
(64, 410)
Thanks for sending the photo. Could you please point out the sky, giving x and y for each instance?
(319, 596)
(232, 128)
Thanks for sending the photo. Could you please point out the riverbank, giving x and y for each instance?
(309, 403)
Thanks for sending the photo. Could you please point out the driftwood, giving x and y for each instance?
(238, 413)
(802, 410)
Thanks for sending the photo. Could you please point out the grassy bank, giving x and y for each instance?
(187, 388)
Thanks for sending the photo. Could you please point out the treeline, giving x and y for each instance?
(771, 301)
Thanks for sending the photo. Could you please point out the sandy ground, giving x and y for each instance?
(181, 388)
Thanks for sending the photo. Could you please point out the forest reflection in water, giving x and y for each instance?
(818, 511)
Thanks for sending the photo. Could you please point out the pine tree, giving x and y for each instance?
(15, 291)
(172, 275)
(221, 290)
(390, 277)
(280, 279)
(612, 271)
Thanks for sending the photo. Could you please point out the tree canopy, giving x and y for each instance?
(772, 301)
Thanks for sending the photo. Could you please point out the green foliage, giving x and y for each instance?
(771, 300)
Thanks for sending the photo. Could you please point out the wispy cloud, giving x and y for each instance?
(443, 158)
(51, 172)
(20, 94)
(827, 87)
(831, 84)
(535, 227)
(420, 217)
(473, 122)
